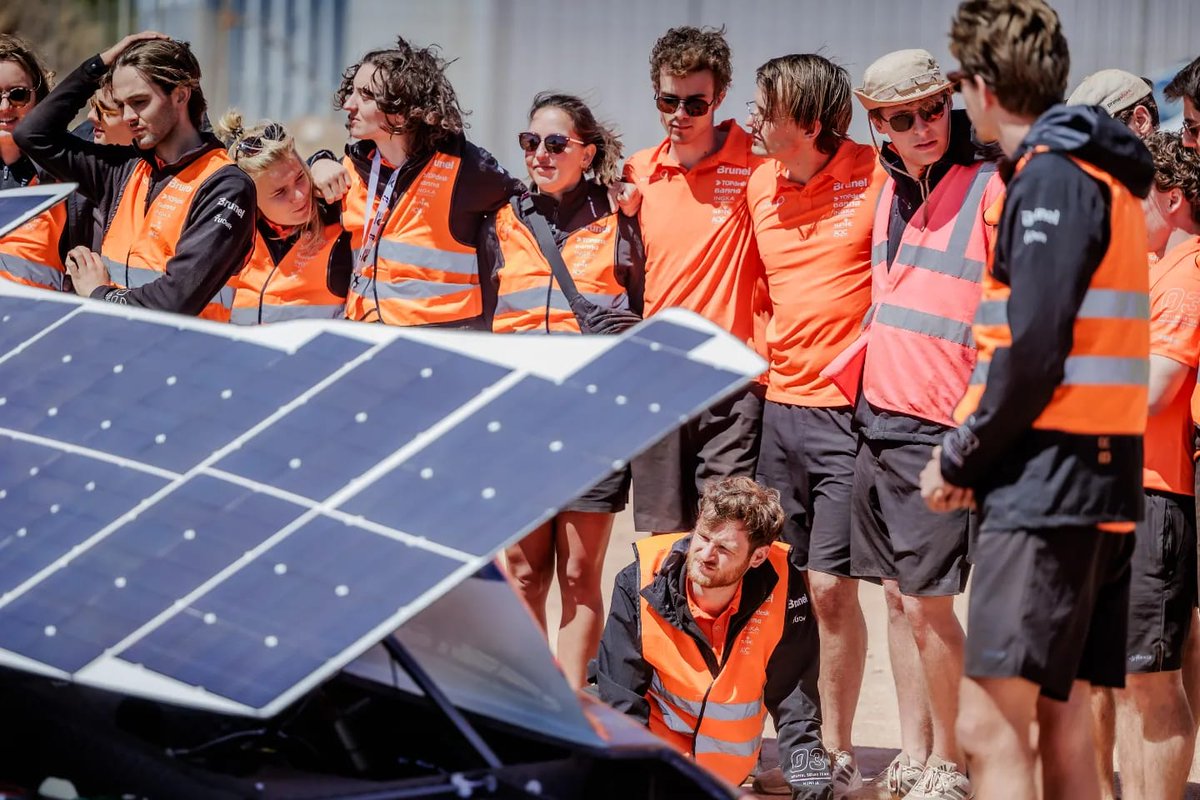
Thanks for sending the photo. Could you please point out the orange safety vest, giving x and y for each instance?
(141, 240)
(29, 253)
(527, 300)
(718, 720)
(1105, 381)
(422, 275)
(295, 288)
(920, 350)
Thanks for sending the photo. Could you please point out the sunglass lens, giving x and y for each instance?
(902, 121)
(695, 106)
(528, 141)
(667, 104)
(19, 96)
(556, 143)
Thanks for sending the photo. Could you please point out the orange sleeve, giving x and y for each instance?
(1175, 316)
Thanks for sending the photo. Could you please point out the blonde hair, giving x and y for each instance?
(259, 148)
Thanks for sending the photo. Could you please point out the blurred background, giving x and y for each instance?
(283, 58)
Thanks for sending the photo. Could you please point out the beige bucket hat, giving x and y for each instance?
(901, 77)
(1114, 89)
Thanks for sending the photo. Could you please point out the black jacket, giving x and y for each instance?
(214, 243)
(623, 676)
(1026, 478)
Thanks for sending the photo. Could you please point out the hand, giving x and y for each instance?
(939, 495)
(86, 270)
(625, 196)
(110, 55)
(331, 178)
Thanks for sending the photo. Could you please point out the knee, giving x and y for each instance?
(831, 598)
(580, 580)
(529, 580)
(977, 730)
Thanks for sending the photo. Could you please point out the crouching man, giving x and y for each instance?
(711, 630)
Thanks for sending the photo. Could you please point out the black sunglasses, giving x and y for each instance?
(556, 143)
(906, 119)
(18, 96)
(695, 106)
(253, 145)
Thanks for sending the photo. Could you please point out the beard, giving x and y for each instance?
(715, 580)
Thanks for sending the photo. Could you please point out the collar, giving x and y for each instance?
(561, 213)
(735, 151)
(208, 142)
(21, 172)
(840, 169)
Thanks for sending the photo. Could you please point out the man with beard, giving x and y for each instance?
(711, 630)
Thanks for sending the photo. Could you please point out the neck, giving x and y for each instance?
(183, 139)
(915, 170)
(394, 149)
(692, 153)
(558, 195)
(1013, 131)
(9, 152)
(805, 166)
(713, 599)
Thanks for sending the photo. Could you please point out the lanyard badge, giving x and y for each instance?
(375, 214)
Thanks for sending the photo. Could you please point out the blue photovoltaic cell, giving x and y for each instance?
(21, 318)
(162, 396)
(295, 607)
(139, 570)
(671, 335)
(51, 501)
(366, 415)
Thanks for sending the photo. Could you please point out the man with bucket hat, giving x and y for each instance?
(1126, 97)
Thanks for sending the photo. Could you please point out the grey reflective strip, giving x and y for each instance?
(723, 712)
(224, 298)
(409, 290)
(1114, 304)
(992, 312)
(129, 277)
(673, 721)
(427, 257)
(1090, 371)
(926, 324)
(960, 237)
(689, 706)
(869, 316)
(527, 299)
(951, 262)
(707, 744)
(31, 271)
(249, 315)
(878, 252)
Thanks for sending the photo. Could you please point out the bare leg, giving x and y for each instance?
(1065, 746)
(940, 640)
(1104, 737)
(912, 696)
(1155, 722)
(580, 541)
(843, 632)
(994, 721)
(1191, 667)
(531, 567)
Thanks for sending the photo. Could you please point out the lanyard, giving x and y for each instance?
(374, 220)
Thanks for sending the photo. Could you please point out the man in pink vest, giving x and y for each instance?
(911, 366)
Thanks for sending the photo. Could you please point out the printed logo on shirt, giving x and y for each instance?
(1034, 217)
(808, 766)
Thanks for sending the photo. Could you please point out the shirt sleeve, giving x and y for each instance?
(1053, 234)
(1175, 315)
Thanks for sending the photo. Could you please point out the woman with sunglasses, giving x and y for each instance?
(572, 161)
(33, 253)
(298, 240)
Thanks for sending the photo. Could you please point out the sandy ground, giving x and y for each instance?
(876, 726)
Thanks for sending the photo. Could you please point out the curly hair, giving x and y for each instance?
(742, 500)
(682, 51)
(808, 89)
(1176, 167)
(18, 51)
(1186, 83)
(1017, 47)
(167, 64)
(606, 165)
(411, 82)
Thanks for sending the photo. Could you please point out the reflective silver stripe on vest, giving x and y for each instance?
(992, 312)
(708, 745)
(1090, 371)
(427, 257)
(953, 260)
(689, 706)
(879, 252)
(672, 720)
(722, 712)
(869, 316)
(31, 271)
(926, 324)
(1114, 304)
(409, 289)
(249, 315)
(129, 277)
(528, 299)
(223, 298)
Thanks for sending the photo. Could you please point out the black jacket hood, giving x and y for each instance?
(1090, 134)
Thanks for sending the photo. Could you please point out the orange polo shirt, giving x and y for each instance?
(700, 251)
(815, 243)
(714, 628)
(1175, 334)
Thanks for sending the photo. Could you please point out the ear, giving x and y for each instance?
(589, 157)
(180, 95)
(987, 98)
(759, 556)
(876, 123)
(1174, 200)
(814, 132)
(718, 100)
(1141, 122)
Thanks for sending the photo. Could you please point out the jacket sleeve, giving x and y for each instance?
(45, 136)
(1053, 235)
(631, 262)
(483, 186)
(791, 697)
(491, 261)
(214, 244)
(622, 674)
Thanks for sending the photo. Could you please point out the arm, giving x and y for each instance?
(491, 261)
(791, 697)
(622, 674)
(214, 244)
(1048, 266)
(631, 261)
(1167, 377)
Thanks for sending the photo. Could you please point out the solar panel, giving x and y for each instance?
(18, 206)
(223, 517)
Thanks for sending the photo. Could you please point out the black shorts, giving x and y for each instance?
(607, 497)
(893, 534)
(720, 443)
(1050, 606)
(1162, 586)
(808, 455)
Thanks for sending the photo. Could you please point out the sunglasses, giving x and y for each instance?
(17, 96)
(906, 119)
(555, 143)
(253, 145)
(695, 106)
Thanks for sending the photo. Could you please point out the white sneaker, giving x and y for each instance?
(902, 776)
(844, 773)
(941, 781)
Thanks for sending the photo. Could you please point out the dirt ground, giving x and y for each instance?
(876, 725)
